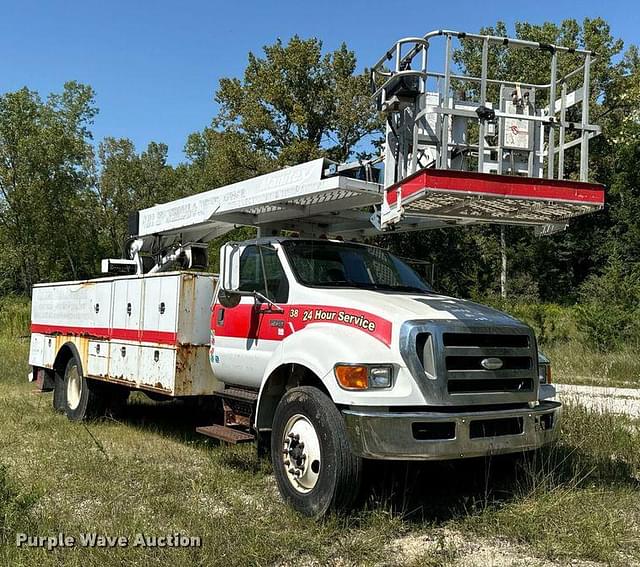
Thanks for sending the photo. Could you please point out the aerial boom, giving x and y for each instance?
(459, 149)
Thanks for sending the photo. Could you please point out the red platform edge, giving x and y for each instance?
(497, 185)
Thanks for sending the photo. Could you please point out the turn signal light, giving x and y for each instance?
(352, 377)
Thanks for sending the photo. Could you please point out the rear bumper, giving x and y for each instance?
(446, 435)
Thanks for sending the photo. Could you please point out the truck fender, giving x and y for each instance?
(64, 354)
(308, 357)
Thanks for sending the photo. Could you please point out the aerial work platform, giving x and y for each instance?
(461, 196)
(458, 150)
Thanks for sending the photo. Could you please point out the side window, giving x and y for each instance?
(272, 282)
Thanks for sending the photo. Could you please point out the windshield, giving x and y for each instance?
(338, 264)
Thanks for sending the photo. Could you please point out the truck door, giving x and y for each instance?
(245, 336)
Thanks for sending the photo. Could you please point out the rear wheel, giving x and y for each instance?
(59, 397)
(82, 396)
(314, 466)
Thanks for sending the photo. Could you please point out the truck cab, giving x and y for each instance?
(407, 372)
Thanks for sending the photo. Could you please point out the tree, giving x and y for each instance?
(292, 105)
(45, 196)
(129, 181)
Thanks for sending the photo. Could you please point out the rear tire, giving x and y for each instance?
(59, 398)
(82, 396)
(313, 464)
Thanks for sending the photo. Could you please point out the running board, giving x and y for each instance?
(227, 434)
(239, 394)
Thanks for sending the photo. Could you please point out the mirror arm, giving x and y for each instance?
(258, 296)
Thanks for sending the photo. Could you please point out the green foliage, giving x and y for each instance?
(553, 324)
(15, 316)
(609, 311)
(574, 362)
(127, 182)
(45, 186)
(296, 104)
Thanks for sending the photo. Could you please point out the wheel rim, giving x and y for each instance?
(74, 387)
(301, 453)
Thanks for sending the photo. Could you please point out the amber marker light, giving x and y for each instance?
(352, 377)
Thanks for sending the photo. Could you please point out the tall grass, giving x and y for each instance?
(577, 498)
(15, 316)
(575, 363)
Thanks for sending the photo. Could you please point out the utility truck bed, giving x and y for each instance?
(149, 332)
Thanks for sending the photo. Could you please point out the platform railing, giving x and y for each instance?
(455, 133)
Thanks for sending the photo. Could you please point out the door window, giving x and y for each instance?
(261, 271)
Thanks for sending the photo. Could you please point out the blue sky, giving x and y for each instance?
(155, 65)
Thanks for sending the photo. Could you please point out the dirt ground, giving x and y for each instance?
(615, 400)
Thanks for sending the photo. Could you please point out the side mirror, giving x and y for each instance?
(229, 299)
(230, 266)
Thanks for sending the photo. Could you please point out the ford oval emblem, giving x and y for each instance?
(491, 363)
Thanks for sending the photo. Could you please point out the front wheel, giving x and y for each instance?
(314, 466)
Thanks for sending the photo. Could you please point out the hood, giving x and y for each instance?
(400, 307)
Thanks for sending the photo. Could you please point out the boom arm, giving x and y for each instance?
(441, 158)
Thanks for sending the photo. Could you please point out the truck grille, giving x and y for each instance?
(475, 362)
(480, 362)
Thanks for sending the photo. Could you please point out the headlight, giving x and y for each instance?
(544, 369)
(380, 376)
(364, 376)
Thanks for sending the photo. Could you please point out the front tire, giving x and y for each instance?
(313, 464)
(82, 399)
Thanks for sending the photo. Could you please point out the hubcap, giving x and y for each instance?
(301, 453)
(74, 387)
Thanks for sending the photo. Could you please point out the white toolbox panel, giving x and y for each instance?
(127, 303)
(161, 298)
(123, 361)
(157, 367)
(49, 351)
(98, 363)
(72, 304)
(36, 347)
(194, 313)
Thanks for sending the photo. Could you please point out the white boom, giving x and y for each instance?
(438, 170)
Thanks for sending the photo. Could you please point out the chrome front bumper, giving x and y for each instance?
(450, 435)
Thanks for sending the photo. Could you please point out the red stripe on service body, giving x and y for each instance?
(140, 335)
(492, 184)
(260, 322)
